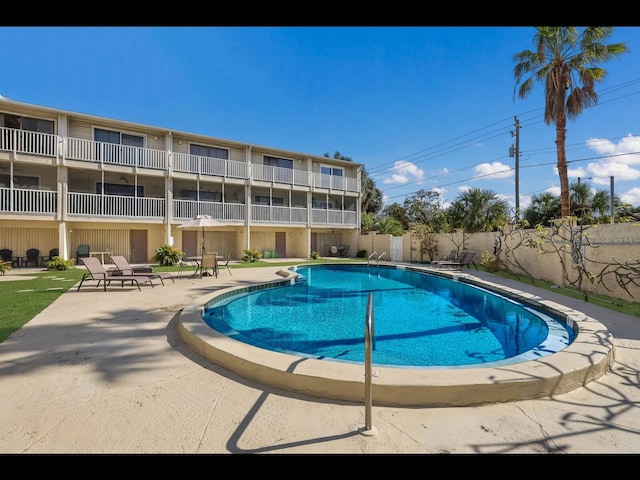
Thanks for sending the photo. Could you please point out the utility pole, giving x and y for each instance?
(515, 152)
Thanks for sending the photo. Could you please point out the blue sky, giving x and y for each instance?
(421, 107)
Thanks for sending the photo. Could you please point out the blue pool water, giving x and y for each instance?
(419, 320)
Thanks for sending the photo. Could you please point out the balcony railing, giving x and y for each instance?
(276, 214)
(115, 154)
(187, 209)
(27, 200)
(95, 204)
(25, 141)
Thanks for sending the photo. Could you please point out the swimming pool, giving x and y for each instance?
(421, 320)
(589, 356)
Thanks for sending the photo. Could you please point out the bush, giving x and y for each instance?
(490, 262)
(59, 263)
(361, 253)
(168, 255)
(4, 267)
(314, 255)
(252, 255)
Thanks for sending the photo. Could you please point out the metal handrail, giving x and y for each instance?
(368, 345)
(369, 259)
(380, 256)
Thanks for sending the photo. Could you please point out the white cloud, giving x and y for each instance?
(623, 162)
(404, 172)
(493, 170)
(631, 196)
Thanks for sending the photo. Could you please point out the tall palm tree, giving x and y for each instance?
(565, 61)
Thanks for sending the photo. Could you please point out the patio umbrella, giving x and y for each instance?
(202, 221)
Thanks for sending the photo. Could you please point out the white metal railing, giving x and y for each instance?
(333, 217)
(187, 209)
(115, 154)
(25, 141)
(28, 200)
(277, 214)
(95, 204)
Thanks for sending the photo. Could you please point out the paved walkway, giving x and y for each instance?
(105, 372)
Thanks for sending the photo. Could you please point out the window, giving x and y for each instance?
(26, 123)
(277, 162)
(20, 181)
(212, 152)
(330, 170)
(265, 200)
(129, 156)
(206, 196)
(119, 189)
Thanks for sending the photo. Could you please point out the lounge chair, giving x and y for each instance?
(465, 258)
(97, 272)
(124, 269)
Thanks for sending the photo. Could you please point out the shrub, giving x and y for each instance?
(59, 263)
(4, 267)
(252, 255)
(314, 255)
(490, 262)
(361, 253)
(168, 255)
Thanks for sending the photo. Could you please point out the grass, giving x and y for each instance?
(22, 300)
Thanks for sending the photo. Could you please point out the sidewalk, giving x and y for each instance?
(105, 372)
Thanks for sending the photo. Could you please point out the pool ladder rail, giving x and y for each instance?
(377, 258)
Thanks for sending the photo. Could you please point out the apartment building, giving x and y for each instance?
(69, 179)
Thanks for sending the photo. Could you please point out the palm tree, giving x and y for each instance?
(478, 210)
(564, 60)
(544, 207)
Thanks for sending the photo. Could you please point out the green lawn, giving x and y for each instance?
(24, 299)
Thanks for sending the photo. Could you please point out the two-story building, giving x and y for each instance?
(68, 179)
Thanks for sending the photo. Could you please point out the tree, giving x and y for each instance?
(397, 211)
(425, 207)
(565, 60)
(544, 207)
(478, 210)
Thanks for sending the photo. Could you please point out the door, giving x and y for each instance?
(190, 243)
(281, 244)
(396, 249)
(138, 246)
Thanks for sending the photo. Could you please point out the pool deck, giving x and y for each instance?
(107, 372)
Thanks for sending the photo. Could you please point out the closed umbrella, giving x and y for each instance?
(202, 221)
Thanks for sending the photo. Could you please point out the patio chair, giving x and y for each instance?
(6, 255)
(54, 252)
(32, 258)
(124, 269)
(97, 272)
(188, 265)
(209, 260)
(226, 263)
(82, 252)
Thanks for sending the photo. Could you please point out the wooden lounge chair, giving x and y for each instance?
(97, 272)
(124, 269)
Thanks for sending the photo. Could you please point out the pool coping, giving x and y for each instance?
(588, 357)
